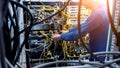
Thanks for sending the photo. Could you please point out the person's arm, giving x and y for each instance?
(93, 22)
(73, 29)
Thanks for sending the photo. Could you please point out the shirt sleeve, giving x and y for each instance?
(94, 21)
(73, 29)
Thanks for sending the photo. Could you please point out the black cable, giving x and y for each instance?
(22, 6)
(59, 61)
(80, 34)
(16, 30)
(15, 15)
(7, 33)
(70, 61)
(117, 34)
(26, 36)
(18, 54)
(76, 61)
(93, 63)
(18, 0)
(18, 51)
(113, 61)
(110, 19)
(10, 65)
(28, 28)
(27, 32)
(17, 57)
(100, 53)
(99, 64)
(10, 17)
(3, 9)
(42, 20)
(26, 9)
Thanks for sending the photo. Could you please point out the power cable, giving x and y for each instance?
(107, 64)
(100, 53)
(10, 65)
(82, 62)
(29, 28)
(16, 56)
(40, 21)
(117, 34)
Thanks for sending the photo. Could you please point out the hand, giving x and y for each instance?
(63, 31)
(56, 37)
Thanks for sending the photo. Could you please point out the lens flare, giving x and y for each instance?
(102, 1)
